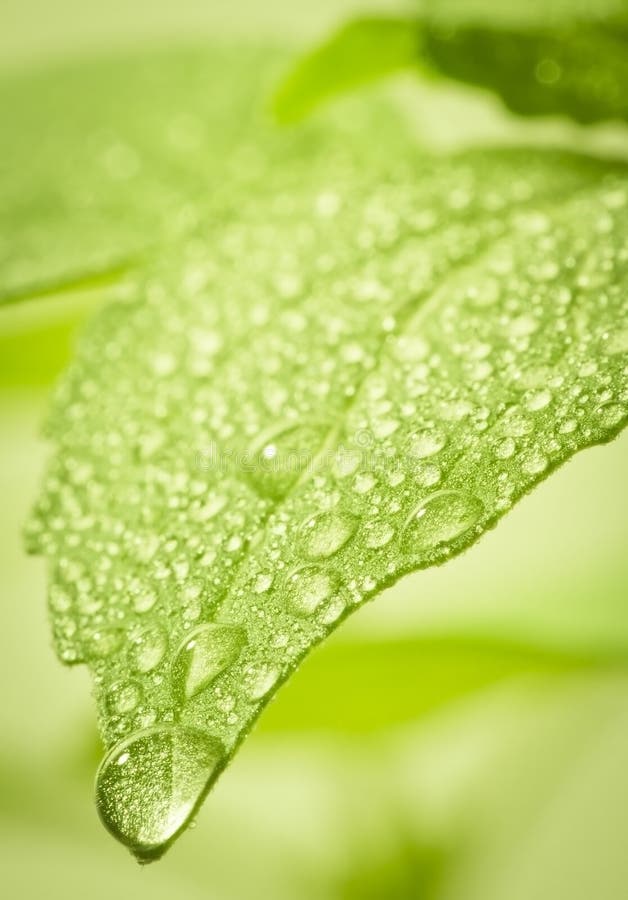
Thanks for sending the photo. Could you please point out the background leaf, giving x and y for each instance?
(578, 69)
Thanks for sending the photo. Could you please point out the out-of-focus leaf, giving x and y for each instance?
(360, 52)
(390, 683)
(577, 70)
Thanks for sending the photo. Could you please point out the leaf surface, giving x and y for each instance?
(577, 69)
(351, 361)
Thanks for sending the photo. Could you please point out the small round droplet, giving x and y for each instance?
(206, 652)
(443, 517)
(308, 587)
(325, 534)
(149, 785)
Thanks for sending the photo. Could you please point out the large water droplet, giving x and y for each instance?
(206, 652)
(308, 587)
(324, 534)
(443, 517)
(149, 785)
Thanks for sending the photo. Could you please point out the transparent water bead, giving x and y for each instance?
(148, 649)
(324, 534)
(441, 518)
(280, 455)
(308, 588)
(149, 785)
(206, 652)
(426, 443)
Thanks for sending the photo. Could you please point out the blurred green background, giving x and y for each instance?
(464, 738)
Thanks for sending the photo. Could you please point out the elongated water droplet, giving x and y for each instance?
(206, 652)
(148, 648)
(443, 517)
(324, 534)
(150, 784)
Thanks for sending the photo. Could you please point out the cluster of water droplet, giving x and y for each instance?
(350, 378)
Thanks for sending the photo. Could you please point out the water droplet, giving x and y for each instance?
(308, 587)
(144, 601)
(324, 534)
(567, 426)
(123, 697)
(364, 482)
(533, 462)
(346, 461)
(538, 400)
(378, 535)
(150, 784)
(610, 414)
(426, 443)
(261, 680)
(280, 455)
(148, 648)
(505, 448)
(443, 517)
(262, 583)
(206, 652)
(410, 348)
(102, 643)
(427, 474)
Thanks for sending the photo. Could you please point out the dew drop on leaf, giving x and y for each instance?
(150, 784)
(123, 697)
(426, 443)
(206, 652)
(261, 680)
(308, 587)
(379, 534)
(148, 648)
(323, 535)
(441, 518)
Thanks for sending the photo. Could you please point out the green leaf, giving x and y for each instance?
(578, 70)
(351, 361)
(405, 680)
(361, 51)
